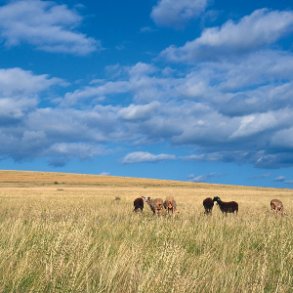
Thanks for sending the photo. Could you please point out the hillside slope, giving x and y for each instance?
(30, 179)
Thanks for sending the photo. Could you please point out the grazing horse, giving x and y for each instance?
(208, 205)
(170, 205)
(156, 205)
(138, 204)
(277, 206)
(227, 207)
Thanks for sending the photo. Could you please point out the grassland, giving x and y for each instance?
(66, 233)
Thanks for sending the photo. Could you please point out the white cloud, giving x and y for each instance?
(204, 129)
(59, 154)
(78, 149)
(259, 29)
(272, 66)
(46, 25)
(16, 81)
(138, 112)
(94, 93)
(20, 91)
(141, 82)
(194, 109)
(221, 109)
(257, 123)
(174, 13)
(146, 157)
(71, 125)
(13, 110)
(141, 69)
(202, 178)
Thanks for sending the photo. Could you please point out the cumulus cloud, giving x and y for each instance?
(173, 13)
(257, 123)
(95, 92)
(233, 87)
(194, 110)
(238, 87)
(19, 92)
(28, 131)
(273, 67)
(16, 81)
(257, 30)
(140, 81)
(45, 25)
(60, 153)
(146, 157)
(56, 135)
(13, 110)
(138, 112)
(71, 125)
(229, 111)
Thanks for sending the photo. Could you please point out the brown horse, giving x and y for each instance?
(170, 205)
(208, 205)
(277, 206)
(138, 204)
(156, 205)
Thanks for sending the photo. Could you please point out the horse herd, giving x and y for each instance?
(157, 205)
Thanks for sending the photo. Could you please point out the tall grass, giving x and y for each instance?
(81, 240)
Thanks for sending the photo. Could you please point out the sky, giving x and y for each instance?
(192, 90)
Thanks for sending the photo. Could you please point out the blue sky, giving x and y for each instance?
(192, 90)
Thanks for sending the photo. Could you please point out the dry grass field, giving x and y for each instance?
(66, 233)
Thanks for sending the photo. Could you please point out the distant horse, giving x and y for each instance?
(138, 204)
(208, 205)
(170, 205)
(277, 206)
(156, 205)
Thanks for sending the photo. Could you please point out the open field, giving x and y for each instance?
(65, 233)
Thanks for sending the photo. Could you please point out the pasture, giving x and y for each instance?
(66, 233)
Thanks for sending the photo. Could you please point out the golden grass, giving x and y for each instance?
(74, 237)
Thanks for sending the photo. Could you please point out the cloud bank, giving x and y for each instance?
(216, 109)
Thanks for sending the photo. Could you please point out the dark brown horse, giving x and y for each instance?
(138, 204)
(227, 207)
(208, 205)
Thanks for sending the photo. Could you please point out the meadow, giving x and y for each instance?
(66, 233)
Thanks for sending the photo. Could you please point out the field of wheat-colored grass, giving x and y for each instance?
(66, 233)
